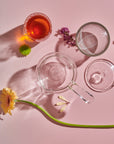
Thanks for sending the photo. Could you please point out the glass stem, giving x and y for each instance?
(83, 94)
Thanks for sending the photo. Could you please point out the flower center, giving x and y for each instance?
(8, 100)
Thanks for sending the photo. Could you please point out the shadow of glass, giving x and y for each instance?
(72, 52)
(49, 106)
(24, 83)
(11, 41)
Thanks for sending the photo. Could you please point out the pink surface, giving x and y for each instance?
(28, 125)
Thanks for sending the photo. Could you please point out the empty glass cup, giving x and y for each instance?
(99, 75)
(92, 39)
(57, 73)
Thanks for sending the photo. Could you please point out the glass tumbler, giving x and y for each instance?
(37, 26)
(92, 39)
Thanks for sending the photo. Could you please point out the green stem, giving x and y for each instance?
(64, 123)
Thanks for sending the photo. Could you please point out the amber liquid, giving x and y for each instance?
(38, 27)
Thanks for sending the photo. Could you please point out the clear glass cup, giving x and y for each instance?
(37, 26)
(92, 39)
(57, 73)
(99, 75)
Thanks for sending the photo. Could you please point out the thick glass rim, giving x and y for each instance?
(103, 28)
(86, 71)
(58, 55)
(35, 14)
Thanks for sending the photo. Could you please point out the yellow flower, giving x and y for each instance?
(7, 99)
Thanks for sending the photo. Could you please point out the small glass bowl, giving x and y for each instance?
(99, 75)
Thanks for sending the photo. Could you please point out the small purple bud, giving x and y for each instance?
(73, 43)
(64, 30)
(66, 37)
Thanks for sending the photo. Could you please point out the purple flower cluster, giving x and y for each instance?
(66, 36)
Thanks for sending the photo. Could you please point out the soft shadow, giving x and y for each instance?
(73, 52)
(11, 41)
(48, 106)
(24, 82)
(61, 124)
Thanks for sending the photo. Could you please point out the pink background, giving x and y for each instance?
(29, 125)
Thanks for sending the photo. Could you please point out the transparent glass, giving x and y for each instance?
(57, 73)
(37, 26)
(92, 39)
(99, 75)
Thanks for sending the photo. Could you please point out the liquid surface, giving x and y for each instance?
(38, 27)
